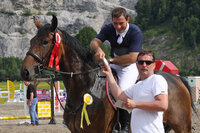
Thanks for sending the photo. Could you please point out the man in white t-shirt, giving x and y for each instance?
(148, 98)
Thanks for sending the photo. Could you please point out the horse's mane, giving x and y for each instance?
(82, 51)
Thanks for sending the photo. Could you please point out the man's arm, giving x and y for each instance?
(95, 46)
(126, 59)
(31, 99)
(114, 87)
(160, 104)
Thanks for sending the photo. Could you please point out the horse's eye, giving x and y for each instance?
(45, 42)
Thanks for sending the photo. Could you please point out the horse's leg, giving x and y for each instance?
(180, 124)
(111, 116)
(110, 126)
(181, 130)
(179, 110)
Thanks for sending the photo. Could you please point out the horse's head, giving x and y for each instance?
(41, 46)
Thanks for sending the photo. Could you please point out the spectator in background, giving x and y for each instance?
(32, 100)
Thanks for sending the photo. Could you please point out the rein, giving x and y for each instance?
(73, 73)
(73, 112)
(40, 67)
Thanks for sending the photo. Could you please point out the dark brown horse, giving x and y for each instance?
(73, 57)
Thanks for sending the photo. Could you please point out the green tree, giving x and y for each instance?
(10, 68)
(181, 17)
(86, 35)
(190, 30)
(143, 17)
(2, 74)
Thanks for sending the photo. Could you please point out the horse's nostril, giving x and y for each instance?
(25, 74)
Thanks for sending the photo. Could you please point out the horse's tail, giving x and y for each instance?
(185, 82)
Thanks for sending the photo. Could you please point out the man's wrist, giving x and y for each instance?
(98, 49)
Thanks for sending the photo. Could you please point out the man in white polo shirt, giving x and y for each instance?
(126, 42)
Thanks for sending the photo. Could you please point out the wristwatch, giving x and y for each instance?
(111, 60)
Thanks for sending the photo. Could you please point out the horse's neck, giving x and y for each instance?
(78, 84)
(98, 88)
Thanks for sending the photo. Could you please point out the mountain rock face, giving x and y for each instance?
(17, 27)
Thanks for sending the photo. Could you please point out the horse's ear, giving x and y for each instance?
(37, 23)
(54, 23)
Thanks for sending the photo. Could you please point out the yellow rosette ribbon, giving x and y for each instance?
(88, 100)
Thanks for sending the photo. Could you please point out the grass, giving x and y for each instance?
(3, 10)
(156, 31)
(41, 86)
(27, 13)
(3, 85)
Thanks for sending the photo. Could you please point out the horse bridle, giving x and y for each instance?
(40, 68)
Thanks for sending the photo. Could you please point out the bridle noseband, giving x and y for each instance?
(40, 67)
(38, 59)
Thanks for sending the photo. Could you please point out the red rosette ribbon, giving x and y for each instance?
(55, 52)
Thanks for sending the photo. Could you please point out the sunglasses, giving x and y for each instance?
(148, 62)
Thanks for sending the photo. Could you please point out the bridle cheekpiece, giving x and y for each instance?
(53, 52)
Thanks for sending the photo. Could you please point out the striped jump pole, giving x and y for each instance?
(14, 117)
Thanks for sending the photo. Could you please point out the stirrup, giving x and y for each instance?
(115, 130)
(117, 127)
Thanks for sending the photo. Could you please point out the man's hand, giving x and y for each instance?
(99, 55)
(129, 104)
(29, 103)
(105, 68)
(95, 46)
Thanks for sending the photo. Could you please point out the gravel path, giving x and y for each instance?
(18, 126)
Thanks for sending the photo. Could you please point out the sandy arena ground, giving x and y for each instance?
(17, 109)
(19, 126)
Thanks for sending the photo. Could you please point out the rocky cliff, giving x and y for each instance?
(17, 27)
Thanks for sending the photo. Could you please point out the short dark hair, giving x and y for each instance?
(146, 52)
(119, 11)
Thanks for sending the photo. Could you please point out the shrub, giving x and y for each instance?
(27, 13)
(51, 13)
